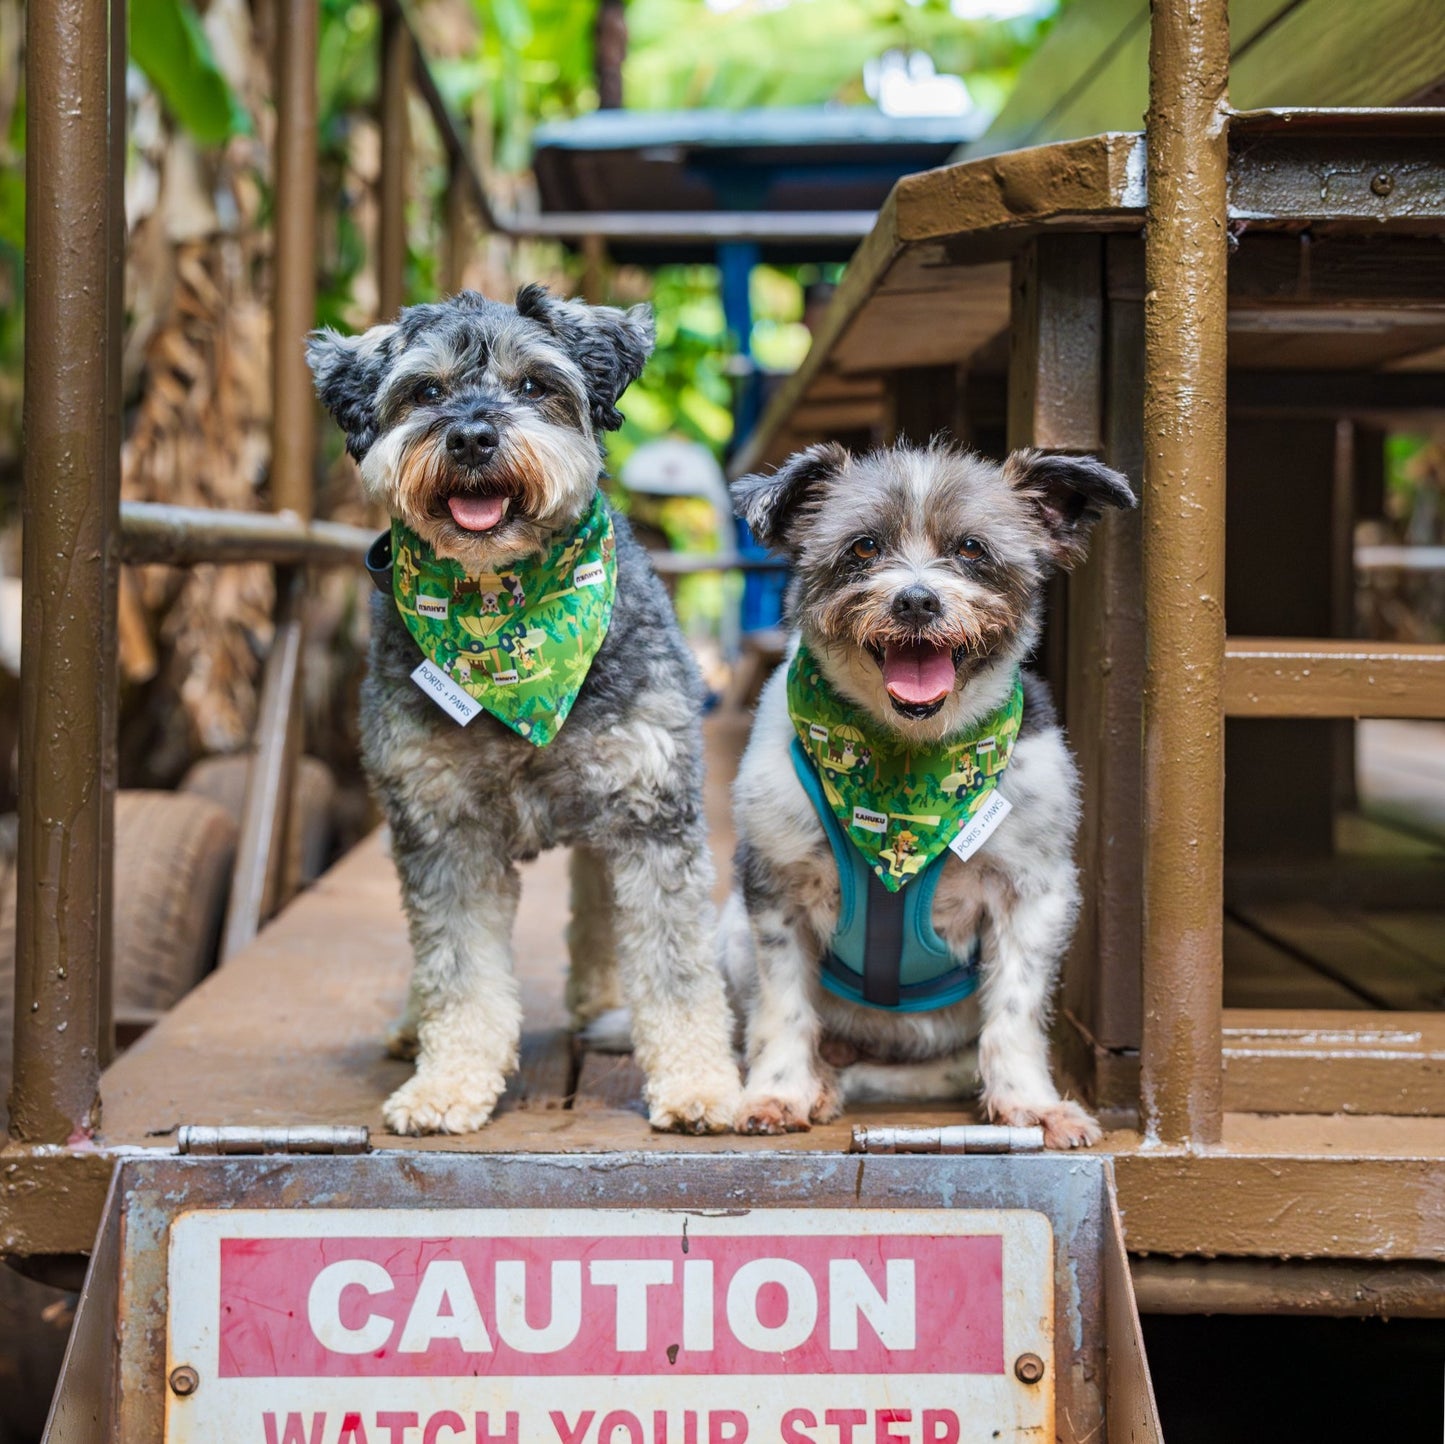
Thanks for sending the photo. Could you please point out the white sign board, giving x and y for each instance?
(610, 1326)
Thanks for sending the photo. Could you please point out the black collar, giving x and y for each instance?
(378, 562)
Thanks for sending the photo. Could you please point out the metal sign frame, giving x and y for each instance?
(115, 1376)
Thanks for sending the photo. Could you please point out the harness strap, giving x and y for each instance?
(884, 952)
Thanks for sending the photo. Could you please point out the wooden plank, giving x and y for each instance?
(1280, 677)
(1339, 52)
(1344, 945)
(1323, 1206)
(609, 1082)
(1261, 974)
(1334, 1062)
(1056, 366)
(1091, 73)
(1341, 1288)
(1105, 629)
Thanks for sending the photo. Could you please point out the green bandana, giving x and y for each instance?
(901, 806)
(517, 642)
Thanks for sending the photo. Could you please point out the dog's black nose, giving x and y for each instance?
(470, 443)
(917, 606)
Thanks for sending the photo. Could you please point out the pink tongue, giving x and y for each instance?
(476, 513)
(917, 673)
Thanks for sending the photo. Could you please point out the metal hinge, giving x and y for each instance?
(202, 1139)
(953, 1138)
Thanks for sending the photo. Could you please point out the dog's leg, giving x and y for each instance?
(461, 902)
(789, 1087)
(592, 988)
(680, 1019)
(1024, 939)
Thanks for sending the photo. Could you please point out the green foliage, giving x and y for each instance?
(534, 63)
(169, 46)
(683, 54)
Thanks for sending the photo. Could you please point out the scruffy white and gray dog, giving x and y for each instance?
(906, 807)
(528, 688)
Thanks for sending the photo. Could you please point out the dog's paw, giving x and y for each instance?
(443, 1103)
(690, 1106)
(402, 1042)
(775, 1113)
(1065, 1123)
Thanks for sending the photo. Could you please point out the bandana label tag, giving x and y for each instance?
(445, 693)
(869, 820)
(433, 607)
(981, 826)
(589, 574)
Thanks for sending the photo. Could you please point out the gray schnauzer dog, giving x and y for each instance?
(478, 425)
(916, 592)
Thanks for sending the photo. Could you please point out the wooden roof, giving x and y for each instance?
(930, 284)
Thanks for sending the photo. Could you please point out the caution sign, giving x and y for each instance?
(610, 1326)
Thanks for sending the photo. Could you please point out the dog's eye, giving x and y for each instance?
(428, 393)
(532, 389)
(865, 548)
(970, 549)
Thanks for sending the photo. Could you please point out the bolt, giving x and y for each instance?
(1382, 183)
(1028, 1368)
(185, 1380)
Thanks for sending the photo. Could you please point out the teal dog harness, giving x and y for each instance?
(884, 952)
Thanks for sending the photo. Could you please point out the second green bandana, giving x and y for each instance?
(901, 806)
(517, 643)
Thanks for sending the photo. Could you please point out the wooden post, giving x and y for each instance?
(1106, 665)
(396, 65)
(75, 118)
(1055, 390)
(1185, 307)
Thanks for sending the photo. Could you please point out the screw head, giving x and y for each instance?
(1028, 1368)
(184, 1380)
(1382, 183)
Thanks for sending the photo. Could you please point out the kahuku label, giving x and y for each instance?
(505, 679)
(589, 574)
(445, 693)
(817, 732)
(434, 607)
(980, 827)
(869, 820)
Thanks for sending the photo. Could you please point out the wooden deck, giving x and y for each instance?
(290, 1033)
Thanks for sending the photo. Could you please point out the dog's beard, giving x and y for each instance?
(541, 479)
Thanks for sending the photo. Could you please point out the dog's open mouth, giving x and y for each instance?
(918, 674)
(478, 513)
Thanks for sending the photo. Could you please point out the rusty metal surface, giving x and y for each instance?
(1070, 1192)
(85, 1401)
(67, 763)
(1341, 1288)
(1133, 1416)
(293, 303)
(1285, 677)
(397, 63)
(184, 536)
(51, 1199)
(1185, 306)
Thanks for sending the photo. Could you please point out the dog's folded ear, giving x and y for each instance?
(349, 372)
(1069, 494)
(610, 346)
(774, 503)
